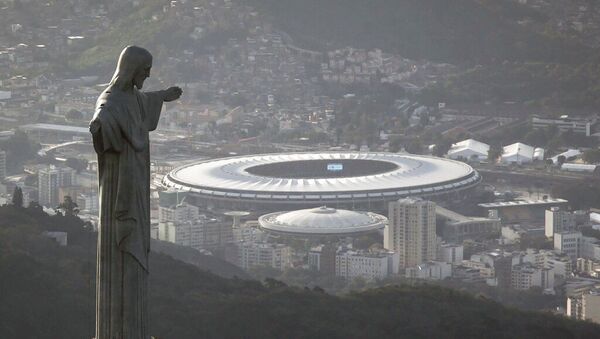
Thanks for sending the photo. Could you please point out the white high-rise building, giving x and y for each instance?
(585, 305)
(50, 179)
(432, 270)
(352, 264)
(568, 243)
(450, 253)
(411, 231)
(591, 306)
(88, 201)
(251, 254)
(557, 220)
(201, 233)
(184, 225)
(178, 214)
(525, 276)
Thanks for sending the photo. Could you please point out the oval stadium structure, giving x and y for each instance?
(352, 180)
(321, 221)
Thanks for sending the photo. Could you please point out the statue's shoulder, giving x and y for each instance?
(110, 101)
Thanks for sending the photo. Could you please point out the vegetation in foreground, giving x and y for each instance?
(47, 292)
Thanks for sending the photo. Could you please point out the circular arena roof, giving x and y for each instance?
(323, 176)
(322, 221)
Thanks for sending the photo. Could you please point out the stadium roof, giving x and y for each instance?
(405, 175)
(56, 128)
(322, 221)
(523, 203)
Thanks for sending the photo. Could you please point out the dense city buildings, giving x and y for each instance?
(376, 265)
(585, 126)
(525, 211)
(200, 233)
(568, 242)
(179, 213)
(348, 263)
(322, 259)
(589, 267)
(88, 202)
(182, 224)
(558, 220)
(50, 179)
(450, 253)
(411, 231)
(431, 270)
(585, 305)
(525, 276)
(256, 254)
(456, 227)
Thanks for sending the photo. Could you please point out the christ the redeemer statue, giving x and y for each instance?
(123, 118)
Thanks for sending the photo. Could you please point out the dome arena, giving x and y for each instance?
(321, 221)
(350, 180)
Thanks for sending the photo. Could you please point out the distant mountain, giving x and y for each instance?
(47, 291)
(458, 31)
(165, 28)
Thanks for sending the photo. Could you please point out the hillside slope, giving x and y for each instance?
(460, 31)
(46, 292)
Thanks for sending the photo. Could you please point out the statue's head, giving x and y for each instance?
(133, 68)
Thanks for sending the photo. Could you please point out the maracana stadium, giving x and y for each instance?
(289, 181)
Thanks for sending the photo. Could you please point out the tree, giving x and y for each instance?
(77, 164)
(592, 156)
(17, 197)
(35, 207)
(494, 153)
(68, 207)
(415, 146)
(395, 143)
(442, 147)
(536, 137)
(18, 149)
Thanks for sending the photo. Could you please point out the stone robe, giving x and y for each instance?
(120, 134)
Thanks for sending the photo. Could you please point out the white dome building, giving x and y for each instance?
(322, 221)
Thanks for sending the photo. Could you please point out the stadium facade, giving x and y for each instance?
(290, 181)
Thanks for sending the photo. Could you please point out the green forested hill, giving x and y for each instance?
(46, 292)
(508, 52)
(458, 31)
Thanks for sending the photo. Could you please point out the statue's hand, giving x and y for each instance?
(172, 93)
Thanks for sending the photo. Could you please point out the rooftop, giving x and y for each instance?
(56, 128)
(523, 203)
(519, 149)
(322, 221)
(469, 144)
